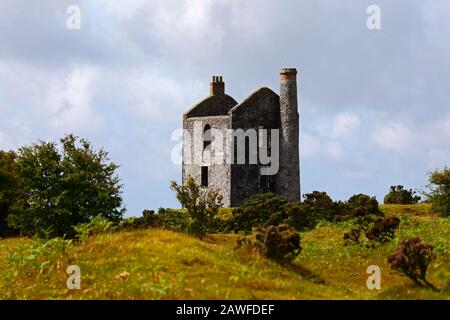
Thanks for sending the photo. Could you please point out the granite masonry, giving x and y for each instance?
(263, 109)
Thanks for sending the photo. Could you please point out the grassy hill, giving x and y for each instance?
(159, 264)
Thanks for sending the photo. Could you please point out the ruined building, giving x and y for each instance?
(264, 109)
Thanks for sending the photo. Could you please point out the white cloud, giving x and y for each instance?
(395, 137)
(60, 99)
(312, 147)
(429, 141)
(343, 124)
(155, 97)
(69, 100)
(186, 26)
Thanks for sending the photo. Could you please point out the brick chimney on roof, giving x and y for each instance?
(217, 86)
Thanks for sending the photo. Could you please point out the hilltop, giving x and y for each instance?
(161, 264)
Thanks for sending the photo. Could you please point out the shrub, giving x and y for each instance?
(320, 206)
(267, 209)
(361, 205)
(39, 256)
(176, 220)
(201, 204)
(383, 229)
(439, 195)
(95, 226)
(8, 190)
(352, 236)
(259, 211)
(62, 187)
(412, 258)
(280, 243)
(398, 195)
(147, 220)
(299, 216)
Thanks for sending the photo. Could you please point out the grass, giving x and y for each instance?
(159, 264)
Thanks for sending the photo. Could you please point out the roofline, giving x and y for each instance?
(250, 97)
(203, 101)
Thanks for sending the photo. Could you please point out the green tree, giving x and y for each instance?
(399, 195)
(8, 189)
(439, 195)
(201, 204)
(62, 187)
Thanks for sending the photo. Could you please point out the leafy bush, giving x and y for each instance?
(62, 187)
(147, 220)
(270, 209)
(383, 229)
(361, 205)
(412, 258)
(259, 211)
(320, 206)
(201, 204)
(95, 226)
(39, 256)
(280, 243)
(439, 195)
(399, 195)
(176, 220)
(299, 216)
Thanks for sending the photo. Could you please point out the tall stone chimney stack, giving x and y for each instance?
(288, 178)
(217, 86)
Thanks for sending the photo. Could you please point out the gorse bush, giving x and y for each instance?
(259, 211)
(280, 243)
(62, 187)
(299, 216)
(320, 206)
(439, 195)
(361, 205)
(352, 236)
(95, 226)
(399, 195)
(412, 258)
(201, 204)
(383, 229)
(379, 229)
(270, 209)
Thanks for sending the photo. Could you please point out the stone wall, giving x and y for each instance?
(219, 175)
(259, 110)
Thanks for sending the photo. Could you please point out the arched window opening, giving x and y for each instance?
(206, 136)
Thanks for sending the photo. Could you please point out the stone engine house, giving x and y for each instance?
(263, 109)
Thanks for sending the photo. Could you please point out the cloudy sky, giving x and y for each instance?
(374, 104)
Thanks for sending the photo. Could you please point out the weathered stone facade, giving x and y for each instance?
(263, 109)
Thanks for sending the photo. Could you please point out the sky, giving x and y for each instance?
(373, 103)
